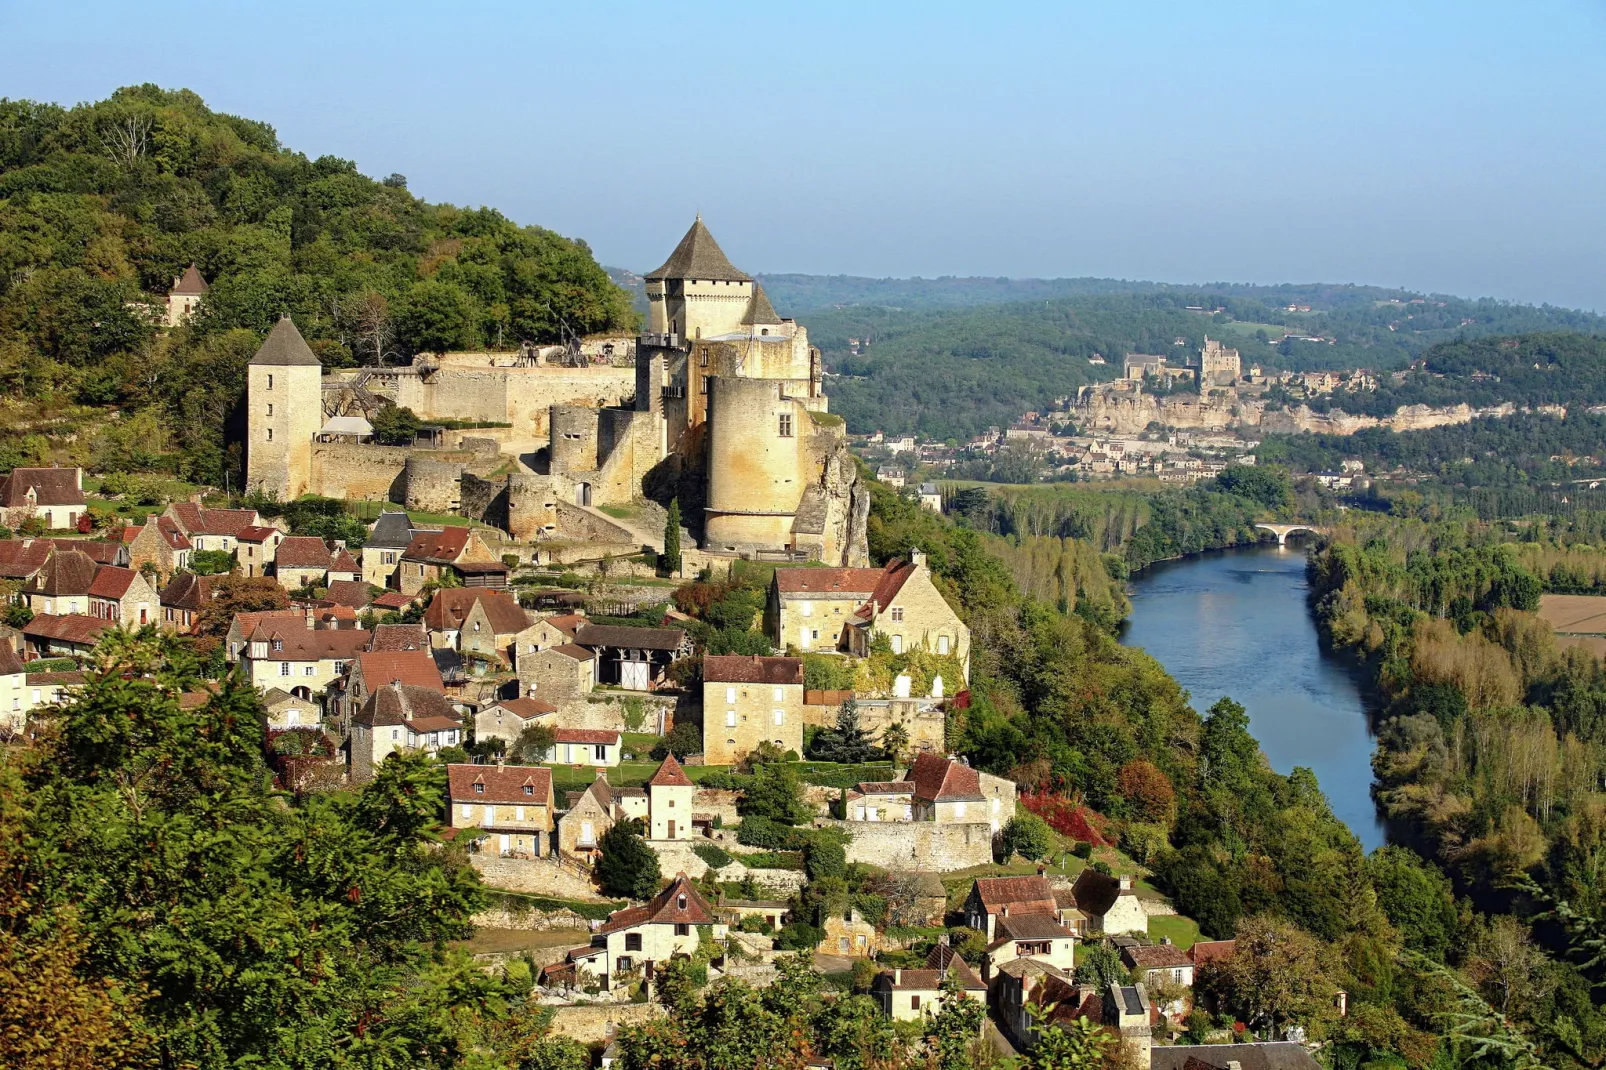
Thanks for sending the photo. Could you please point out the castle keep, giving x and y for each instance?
(719, 404)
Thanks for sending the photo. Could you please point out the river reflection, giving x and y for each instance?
(1236, 623)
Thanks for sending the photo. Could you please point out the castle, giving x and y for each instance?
(718, 404)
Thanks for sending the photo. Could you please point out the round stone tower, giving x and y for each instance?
(433, 486)
(756, 464)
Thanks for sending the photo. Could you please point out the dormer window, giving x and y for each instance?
(479, 789)
(529, 789)
(278, 644)
(680, 902)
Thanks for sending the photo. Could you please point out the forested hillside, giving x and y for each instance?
(103, 205)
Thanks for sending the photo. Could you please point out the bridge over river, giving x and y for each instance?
(1282, 531)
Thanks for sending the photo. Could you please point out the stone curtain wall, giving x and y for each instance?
(595, 1023)
(917, 844)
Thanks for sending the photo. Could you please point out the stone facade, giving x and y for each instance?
(748, 701)
(918, 844)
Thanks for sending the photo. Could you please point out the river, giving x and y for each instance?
(1235, 622)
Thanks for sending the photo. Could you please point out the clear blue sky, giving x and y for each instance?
(1445, 146)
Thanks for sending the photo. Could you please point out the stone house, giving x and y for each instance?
(931, 497)
(343, 568)
(1162, 963)
(123, 596)
(670, 924)
(843, 609)
(670, 794)
(212, 529)
(62, 586)
(185, 297)
(353, 593)
(301, 561)
(244, 625)
(474, 620)
(100, 551)
(994, 898)
(254, 548)
(1024, 982)
(71, 635)
(157, 544)
(53, 496)
(909, 995)
(283, 710)
(387, 539)
(633, 658)
(885, 800)
(304, 661)
(183, 599)
(557, 672)
(432, 554)
(584, 746)
(1035, 936)
(591, 814)
(1110, 903)
(511, 804)
(371, 670)
(546, 632)
(400, 717)
(748, 700)
(506, 718)
(950, 792)
(848, 933)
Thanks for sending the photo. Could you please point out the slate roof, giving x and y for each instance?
(698, 256)
(1279, 1055)
(190, 284)
(392, 531)
(416, 667)
(623, 636)
(752, 669)
(760, 313)
(451, 606)
(285, 346)
(67, 572)
(73, 628)
(112, 582)
(1023, 895)
(670, 774)
(404, 703)
(301, 551)
(500, 784)
(944, 780)
(51, 486)
(664, 909)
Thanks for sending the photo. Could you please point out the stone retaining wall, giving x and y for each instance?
(921, 845)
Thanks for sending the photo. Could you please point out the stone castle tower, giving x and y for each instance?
(284, 409)
(1218, 365)
(698, 292)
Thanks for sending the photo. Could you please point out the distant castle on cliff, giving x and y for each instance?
(719, 404)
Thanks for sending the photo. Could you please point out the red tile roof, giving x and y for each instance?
(415, 667)
(256, 533)
(51, 486)
(437, 547)
(500, 784)
(665, 908)
(1206, 951)
(112, 582)
(297, 642)
(1023, 895)
(10, 663)
(452, 605)
(525, 708)
(21, 558)
(424, 709)
(301, 551)
(670, 774)
(828, 582)
(585, 735)
(73, 628)
(194, 519)
(944, 779)
(343, 562)
(395, 600)
(395, 637)
(567, 623)
(353, 593)
(752, 669)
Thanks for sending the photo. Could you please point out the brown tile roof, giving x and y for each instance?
(752, 669)
(1277, 1055)
(190, 284)
(931, 980)
(297, 642)
(944, 779)
(567, 623)
(51, 486)
(67, 628)
(285, 346)
(578, 653)
(198, 520)
(1023, 895)
(943, 957)
(586, 735)
(10, 662)
(452, 605)
(396, 637)
(404, 703)
(525, 708)
(112, 582)
(301, 551)
(415, 667)
(834, 582)
(630, 638)
(21, 558)
(1156, 956)
(395, 600)
(1206, 951)
(62, 679)
(256, 533)
(884, 787)
(353, 593)
(893, 577)
(1031, 927)
(665, 909)
(670, 774)
(101, 551)
(698, 256)
(500, 784)
(344, 562)
(437, 547)
(67, 572)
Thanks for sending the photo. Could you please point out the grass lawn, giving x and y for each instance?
(1184, 932)
(618, 512)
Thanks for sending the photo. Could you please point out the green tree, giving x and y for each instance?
(1100, 965)
(847, 742)
(1027, 835)
(535, 742)
(1416, 898)
(1075, 1045)
(628, 866)
(437, 317)
(670, 558)
(683, 739)
(211, 562)
(395, 426)
(956, 1027)
(775, 794)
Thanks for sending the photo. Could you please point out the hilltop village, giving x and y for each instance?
(523, 609)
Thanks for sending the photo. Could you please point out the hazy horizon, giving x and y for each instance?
(1441, 148)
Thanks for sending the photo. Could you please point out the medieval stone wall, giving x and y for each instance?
(923, 845)
(596, 1023)
(433, 485)
(517, 396)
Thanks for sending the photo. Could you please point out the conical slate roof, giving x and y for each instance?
(759, 310)
(285, 345)
(190, 284)
(698, 256)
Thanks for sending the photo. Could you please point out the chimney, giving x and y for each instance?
(917, 557)
(1125, 882)
(1165, 941)
(897, 976)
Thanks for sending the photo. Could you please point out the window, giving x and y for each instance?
(270, 408)
(602, 752)
(467, 811)
(914, 1003)
(730, 694)
(632, 941)
(786, 425)
(777, 695)
(626, 962)
(780, 717)
(309, 670)
(284, 668)
(270, 434)
(529, 789)
(270, 381)
(730, 718)
(682, 929)
(479, 789)
(518, 813)
(897, 644)
(389, 557)
(942, 644)
(897, 614)
(278, 644)
(680, 902)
